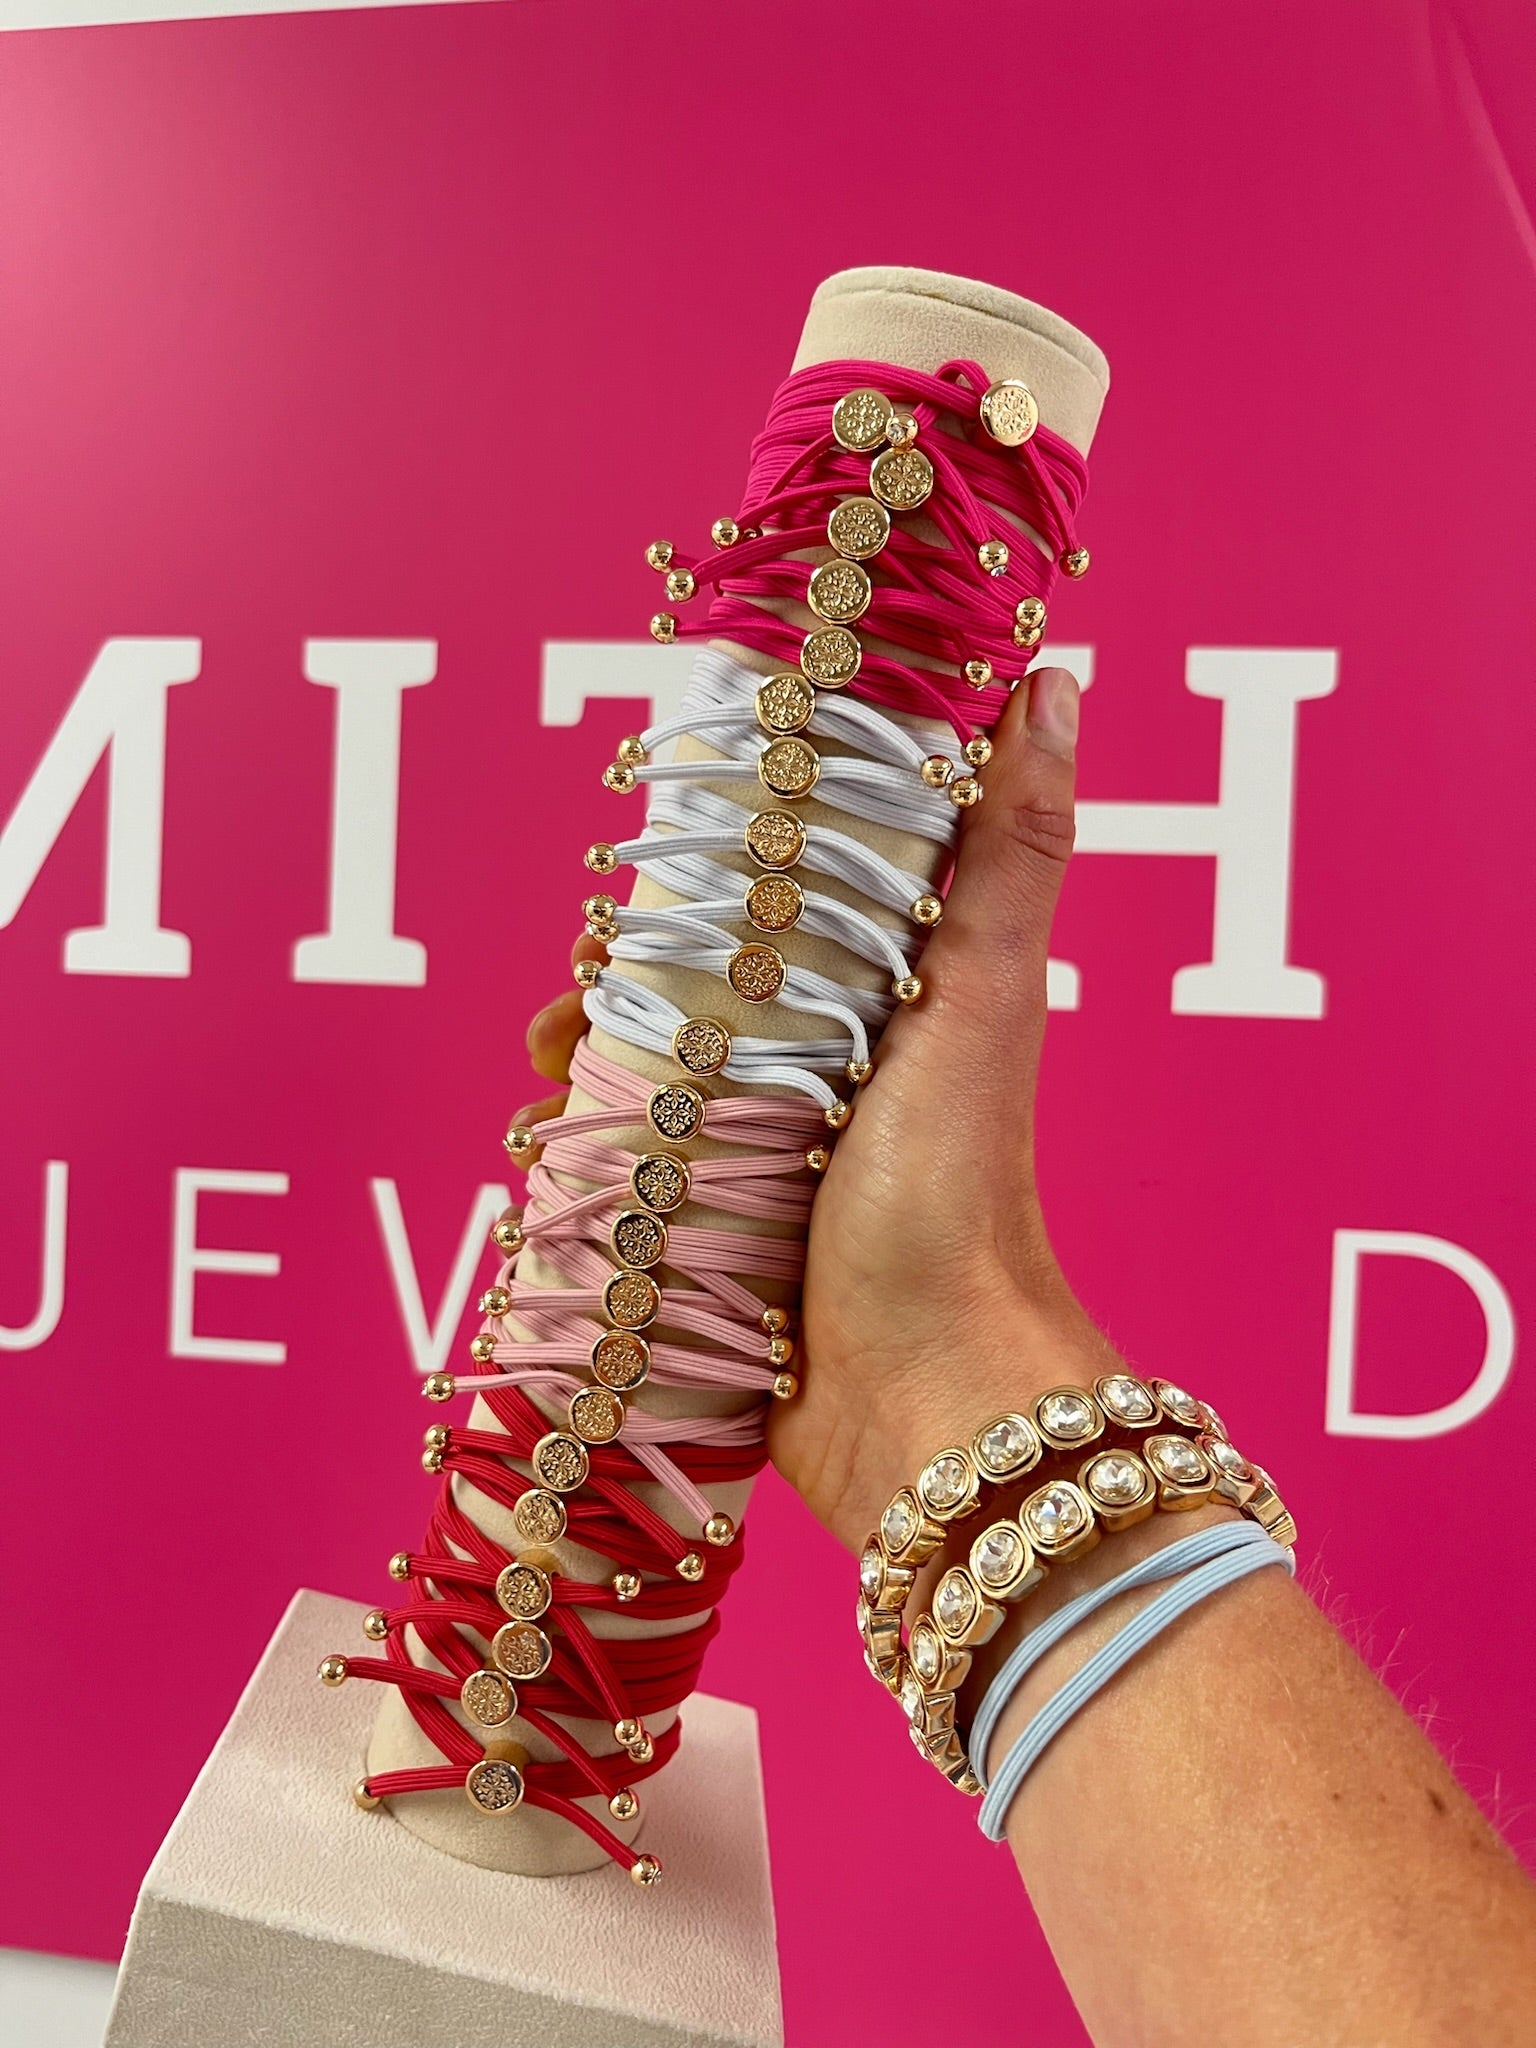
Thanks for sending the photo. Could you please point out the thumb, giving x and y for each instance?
(1013, 850)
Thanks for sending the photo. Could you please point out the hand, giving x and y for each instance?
(932, 1295)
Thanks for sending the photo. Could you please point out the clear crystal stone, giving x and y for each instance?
(1115, 1479)
(1176, 1459)
(926, 1655)
(999, 1555)
(956, 1602)
(1066, 1414)
(899, 1522)
(944, 1482)
(1228, 1457)
(911, 1697)
(1127, 1400)
(1055, 1514)
(1004, 1444)
(1183, 1407)
(871, 1572)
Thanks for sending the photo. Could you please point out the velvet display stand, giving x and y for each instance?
(278, 1913)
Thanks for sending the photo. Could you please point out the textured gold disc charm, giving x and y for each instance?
(559, 1461)
(901, 478)
(1009, 412)
(621, 1360)
(676, 1111)
(785, 703)
(774, 903)
(521, 1650)
(775, 839)
(702, 1044)
(488, 1698)
(660, 1181)
(788, 768)
(839, 592)
(638, 1238)
(859, 528)
(494, 1785)
(597, 1415)
(630, 1301)
(524, 1591)
(756, 972)
(831, 656)
(860, 419)
(539, 1516)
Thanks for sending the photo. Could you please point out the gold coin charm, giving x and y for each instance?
(901, 478)
(631, 1300)
(621, 1360)
(860, 420)
(597, 1415)
(785, 703)
(702, 1044)
(539, 1516)
(488, 1698)
(560, 1461)
(660, 1181)
(775, 839)
(521, 1649)
(1009, 412)
(524, 1591)
(788, 768)
(774, 903)
(638, 1238)
(840, 591)
(831, 656)
(859, 528)
(494, 1785)
(675, 1110)
(756, 972)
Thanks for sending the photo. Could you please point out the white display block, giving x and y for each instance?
(278, 1912)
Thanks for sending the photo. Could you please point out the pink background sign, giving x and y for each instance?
(347, 362)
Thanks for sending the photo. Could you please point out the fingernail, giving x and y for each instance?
(534, 1024)
(1053, 707)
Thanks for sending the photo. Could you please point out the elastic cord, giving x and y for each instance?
(1211, 1559)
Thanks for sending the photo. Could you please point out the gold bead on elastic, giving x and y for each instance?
(1030, 611)
(482, 1347)
(780, 1350)
(646, 1871)
(720, 1530)
(858, 1071)
(837, 1115)
(907, 989)
(362, 1797)
(601, 858)
(785, 1387)
(658, 555)
(937, 770)
(690, 1566)
(519, 1140)
(507, 1235)
(775, 1320)
(978, 751)
(620, 778)
(627, 1585)
(333, 1670)
(632, 750)
(495, 1301)
(438, 1386)
(681, 585)
(664, 628)
(1075, 563)
(432, 1460)
(818, 1158)
(624, 1805)
(901, 431)
(587, 973)
(964, 791)
(436, 1436)
(927, 909)
(993, 557)
(375, 1625)
(725, 533)
(599, 908)
(400, 1565)
(977, 672)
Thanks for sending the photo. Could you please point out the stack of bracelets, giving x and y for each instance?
(948, 614)
(1084, 1462)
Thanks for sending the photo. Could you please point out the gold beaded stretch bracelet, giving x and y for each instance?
(1131, 1447)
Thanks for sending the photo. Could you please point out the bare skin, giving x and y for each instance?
(1245, 1838)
